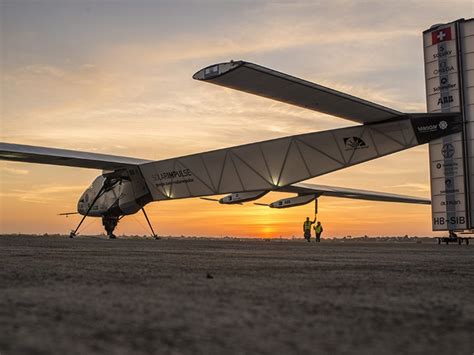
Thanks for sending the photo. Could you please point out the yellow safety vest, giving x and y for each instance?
(307, 225)
(318, 228)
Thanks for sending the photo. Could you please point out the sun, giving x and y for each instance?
(267, 232)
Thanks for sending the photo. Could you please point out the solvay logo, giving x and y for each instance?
(443, 125)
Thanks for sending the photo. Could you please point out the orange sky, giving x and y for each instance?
(116, 78)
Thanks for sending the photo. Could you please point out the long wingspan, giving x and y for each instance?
(54, 156)
(333, 191)
(263, 166)
(258, 80)
(271, 165)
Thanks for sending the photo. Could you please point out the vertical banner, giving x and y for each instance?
(446, 78)
(466, 43)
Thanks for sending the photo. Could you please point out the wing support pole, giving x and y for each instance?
(149, 224)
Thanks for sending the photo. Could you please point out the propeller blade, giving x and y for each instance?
(67, 213)
(261, 204)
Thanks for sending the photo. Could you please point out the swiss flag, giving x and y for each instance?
(441, 35)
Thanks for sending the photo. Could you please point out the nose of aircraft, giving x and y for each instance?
(82, 203)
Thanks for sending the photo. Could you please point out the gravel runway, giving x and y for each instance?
(199, 296)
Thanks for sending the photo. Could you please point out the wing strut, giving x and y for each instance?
(149, 224)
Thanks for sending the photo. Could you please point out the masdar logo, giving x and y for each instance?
(441, 35)
(353, 143)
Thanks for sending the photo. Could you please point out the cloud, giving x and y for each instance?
(14, 171)
(100, 85)
(44, 193)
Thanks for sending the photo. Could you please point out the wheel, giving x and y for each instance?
(467, 241)
(460, 241)
(439, 240)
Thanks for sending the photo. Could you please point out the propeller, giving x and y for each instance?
(261, 204)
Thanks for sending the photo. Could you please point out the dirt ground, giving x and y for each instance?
(191, 296)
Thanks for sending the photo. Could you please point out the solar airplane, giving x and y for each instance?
(247, 172)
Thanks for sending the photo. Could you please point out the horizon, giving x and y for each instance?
(72, 71)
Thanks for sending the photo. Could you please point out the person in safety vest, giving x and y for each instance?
(307, 228)
(318, 229)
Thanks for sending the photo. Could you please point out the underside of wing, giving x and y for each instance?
(333, 191)
(258, 80)
(54, 156)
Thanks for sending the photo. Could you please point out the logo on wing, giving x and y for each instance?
(353, 143)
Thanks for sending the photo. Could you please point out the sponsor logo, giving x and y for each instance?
(445, 100)
(353, 143)
(442, 52)
(441, 35)
(450, 168)
(443, 125)
(450, 203)
(449, 191)
(448, 150)
(444, 85)
(456, 220)
(432, 127)
(443, 68)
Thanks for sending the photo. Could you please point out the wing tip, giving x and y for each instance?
(215, 70)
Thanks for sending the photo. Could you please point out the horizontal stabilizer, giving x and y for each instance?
(258, 80)
(333, 191)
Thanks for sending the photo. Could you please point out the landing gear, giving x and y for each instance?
(109, 223)
(101, 191)
(153, 234)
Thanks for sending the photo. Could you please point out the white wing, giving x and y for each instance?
(333, 191)
(258, 80)
(53, 156)
(271, 165)
(263, 166)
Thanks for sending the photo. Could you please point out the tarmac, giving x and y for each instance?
(200, 296)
